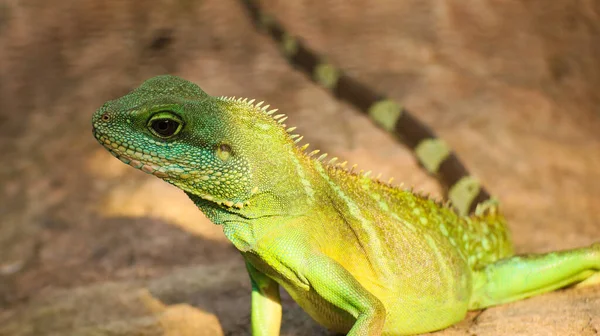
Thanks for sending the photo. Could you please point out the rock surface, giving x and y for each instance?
(89, 246)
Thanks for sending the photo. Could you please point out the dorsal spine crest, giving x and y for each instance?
(332, 164)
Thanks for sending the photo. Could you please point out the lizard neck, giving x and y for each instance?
(291, 190)
(291, 193)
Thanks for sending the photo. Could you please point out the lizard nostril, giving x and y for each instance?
(105, 117)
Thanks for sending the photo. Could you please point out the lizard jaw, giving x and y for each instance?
(147, 168)
(135, 160)
(117, 151)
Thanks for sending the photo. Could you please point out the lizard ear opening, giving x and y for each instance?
(223, 151)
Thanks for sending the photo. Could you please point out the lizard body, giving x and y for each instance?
(360, 256)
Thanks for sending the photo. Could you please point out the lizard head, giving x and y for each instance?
(216, 148)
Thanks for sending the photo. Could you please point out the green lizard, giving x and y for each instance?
(360, 256)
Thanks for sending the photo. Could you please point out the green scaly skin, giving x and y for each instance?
(360, 256)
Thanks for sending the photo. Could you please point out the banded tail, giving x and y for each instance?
(463, 190)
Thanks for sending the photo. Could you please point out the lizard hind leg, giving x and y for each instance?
(519, 277)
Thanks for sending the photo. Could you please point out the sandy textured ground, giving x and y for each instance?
(89, 246)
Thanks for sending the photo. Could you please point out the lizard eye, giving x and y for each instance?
(165, 124)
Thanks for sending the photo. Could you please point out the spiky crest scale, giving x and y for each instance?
(331, 165)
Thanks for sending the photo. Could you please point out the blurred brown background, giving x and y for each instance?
(89, 246)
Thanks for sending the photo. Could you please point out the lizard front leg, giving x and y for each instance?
(266, 304)
(336, 285)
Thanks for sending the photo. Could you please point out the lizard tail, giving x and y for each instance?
(463, 190)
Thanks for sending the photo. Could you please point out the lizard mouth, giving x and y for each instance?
(130, 156)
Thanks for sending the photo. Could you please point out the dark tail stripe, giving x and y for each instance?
(463, 190)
